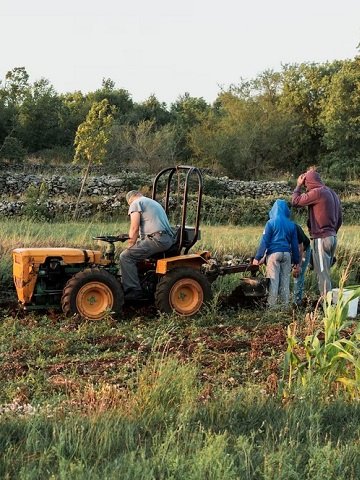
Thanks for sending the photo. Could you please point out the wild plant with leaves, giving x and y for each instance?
(330, 351)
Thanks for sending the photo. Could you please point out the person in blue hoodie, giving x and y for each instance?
(279, 244)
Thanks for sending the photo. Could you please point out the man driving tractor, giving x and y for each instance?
(148, 221)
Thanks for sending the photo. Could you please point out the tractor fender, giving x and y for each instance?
(193, 260)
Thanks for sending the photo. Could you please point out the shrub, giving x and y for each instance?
(12, 150)
(55, 156)
(37, 203)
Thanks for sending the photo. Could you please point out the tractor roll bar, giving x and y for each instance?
(189, 171)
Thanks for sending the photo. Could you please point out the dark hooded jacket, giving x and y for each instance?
(325, 216)
(280, 234)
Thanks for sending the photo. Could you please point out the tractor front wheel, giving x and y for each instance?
(92, 294)
(183, 290)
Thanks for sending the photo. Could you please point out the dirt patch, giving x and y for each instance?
(115, 343)
(272, 339)
(87, 368)
(10, 370)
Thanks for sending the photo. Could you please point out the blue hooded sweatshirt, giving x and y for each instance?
(280, 233)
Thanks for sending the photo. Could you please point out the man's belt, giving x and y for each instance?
(161, 232)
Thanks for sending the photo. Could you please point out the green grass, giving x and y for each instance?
(165, 427)
(161, 397)
(220, 239)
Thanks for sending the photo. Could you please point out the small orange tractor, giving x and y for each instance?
(88, 282)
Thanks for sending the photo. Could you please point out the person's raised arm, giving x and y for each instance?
(299, 199)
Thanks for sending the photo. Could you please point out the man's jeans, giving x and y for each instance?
(323, 254)
(299, 281)
(140, 251)
(278, 269)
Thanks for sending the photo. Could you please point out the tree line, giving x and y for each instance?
(275, 124)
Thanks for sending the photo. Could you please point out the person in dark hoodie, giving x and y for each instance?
(280, 245)
(324, 221)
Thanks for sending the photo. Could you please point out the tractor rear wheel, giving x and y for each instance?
(183, 290)
(92, 294)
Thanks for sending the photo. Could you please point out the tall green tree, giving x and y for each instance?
(74, 108)
(187, 112)
(151, 110)
(16, 85)
(340, 118)
(12, 94)
(304, 92)
(91, 140)
(39, 117)
(118, 97)
(6, 118)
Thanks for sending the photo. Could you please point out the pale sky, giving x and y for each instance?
(167, 48)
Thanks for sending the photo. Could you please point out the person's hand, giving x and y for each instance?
(131, 243)
(301, 180)
(258, 262)
(296, 271)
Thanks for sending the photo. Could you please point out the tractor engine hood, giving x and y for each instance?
(27, 261)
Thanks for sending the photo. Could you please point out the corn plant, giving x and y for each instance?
(331, 351)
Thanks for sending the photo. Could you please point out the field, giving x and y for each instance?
(162, 397)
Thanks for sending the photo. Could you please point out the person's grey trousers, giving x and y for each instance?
(140, 251)
(323, 253)
(278, 269)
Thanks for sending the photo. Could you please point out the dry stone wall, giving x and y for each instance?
(105, 195)
(16, 184)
